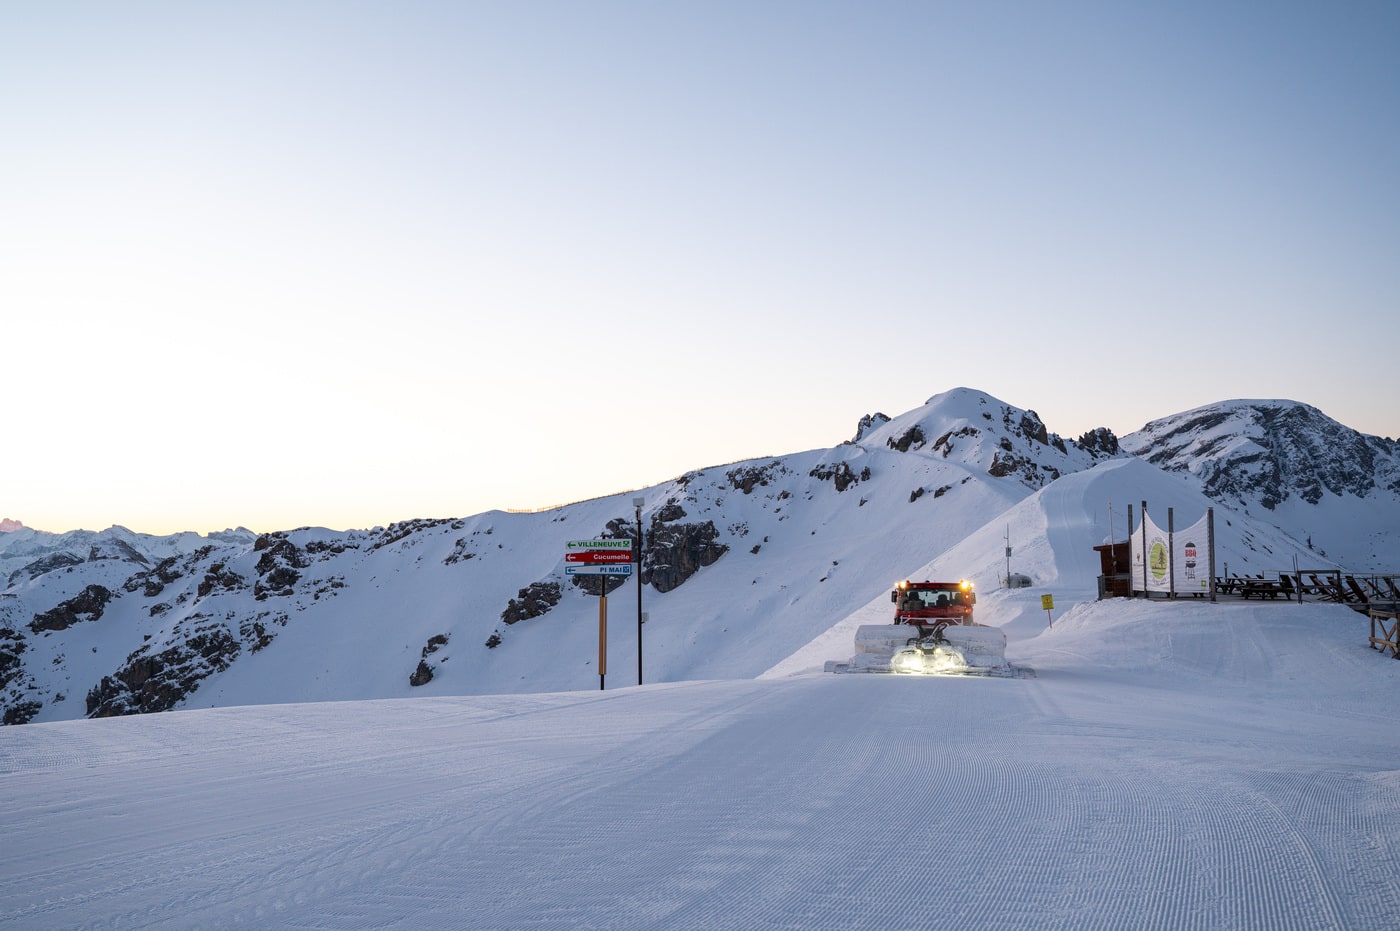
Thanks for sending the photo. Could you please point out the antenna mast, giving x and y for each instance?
(1008, 556)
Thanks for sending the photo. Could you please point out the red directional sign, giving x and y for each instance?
(599, 556)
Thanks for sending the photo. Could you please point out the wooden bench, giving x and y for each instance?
(1358, 594)
(1264, 588)
(1326, 589)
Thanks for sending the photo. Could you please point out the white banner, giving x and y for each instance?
(1191, 557)
(1149, 545)
(1159, 560)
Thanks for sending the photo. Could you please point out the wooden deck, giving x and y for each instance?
(1362, 592)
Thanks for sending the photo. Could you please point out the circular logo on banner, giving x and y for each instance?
(1157, 559)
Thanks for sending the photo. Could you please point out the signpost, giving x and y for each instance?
(624, 569)
(599, 557)
(1048, 603)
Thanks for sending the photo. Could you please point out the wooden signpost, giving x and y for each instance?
(599, 557)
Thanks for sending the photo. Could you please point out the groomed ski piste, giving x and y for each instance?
(1168, 765)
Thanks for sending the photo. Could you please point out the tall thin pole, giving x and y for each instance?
(1171, 552)
(1146, 593)
(1112, 544)
(1130, 549)
(1008, 555)
(1210, 544)
(602, 633)
(637, 503)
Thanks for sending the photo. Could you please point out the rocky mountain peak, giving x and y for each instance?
(980, 432)
(1269, 451)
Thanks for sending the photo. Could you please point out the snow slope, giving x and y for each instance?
(1171, 765)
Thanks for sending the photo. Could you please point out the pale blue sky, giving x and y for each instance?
(278, 264)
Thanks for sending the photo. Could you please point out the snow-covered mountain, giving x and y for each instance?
(1291, 465)
(745, 565)
(28, 552)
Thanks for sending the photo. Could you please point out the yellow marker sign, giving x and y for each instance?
(1047, 602)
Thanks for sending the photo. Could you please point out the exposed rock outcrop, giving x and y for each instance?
(45, 564)
(913, 438)
(532, 601)
(747, 478)
(1099, 443)
(158, 681)
(220, 577)
(424, 673)
(153, 581)
(674, 552)
(841, 475)
(87, 605)
(12, 645)
(402, 530)
(278, 567)
(1007, 463)
(868, 423)
(944, 444)
(257, 633)
(21, 712)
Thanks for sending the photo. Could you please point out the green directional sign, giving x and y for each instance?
(599, 545)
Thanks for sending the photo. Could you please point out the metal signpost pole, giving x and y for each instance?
(637, 503)
(603, 633)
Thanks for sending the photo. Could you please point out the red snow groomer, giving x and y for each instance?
(933, 634)
(933, 604)
(946, 640)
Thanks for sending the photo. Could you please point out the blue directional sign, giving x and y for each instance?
(598, 569)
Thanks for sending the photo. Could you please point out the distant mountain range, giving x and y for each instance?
(743, 563)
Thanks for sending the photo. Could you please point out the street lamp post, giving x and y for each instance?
(637, 503)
